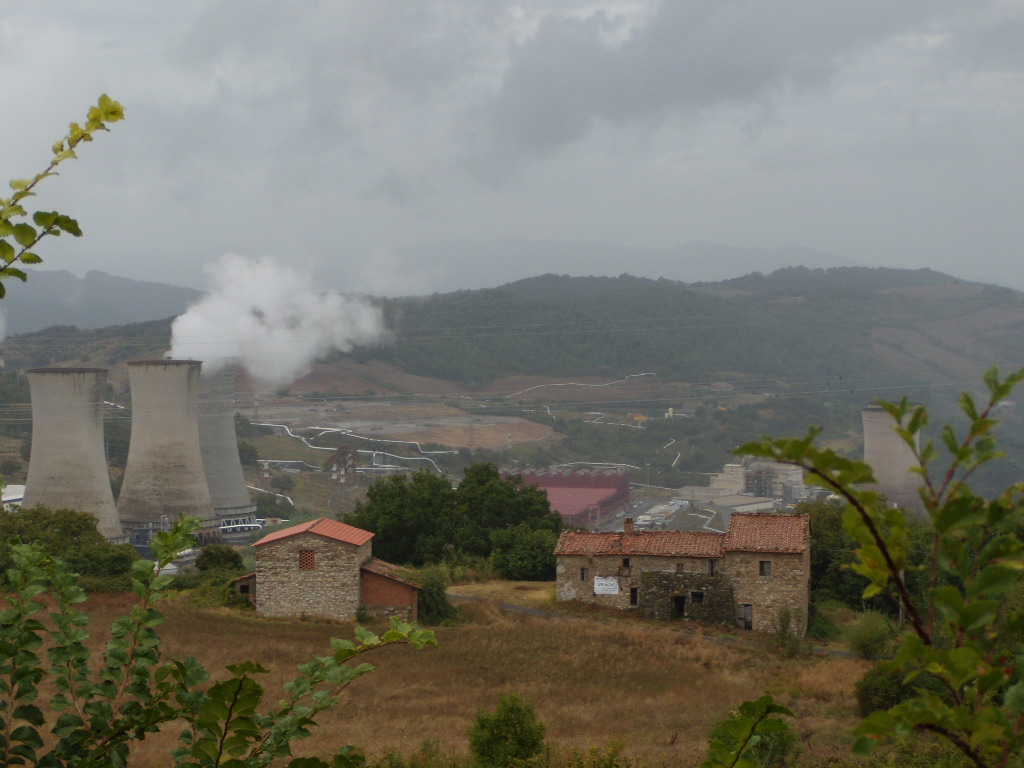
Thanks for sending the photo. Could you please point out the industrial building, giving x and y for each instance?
(581, 497)
(891, 458)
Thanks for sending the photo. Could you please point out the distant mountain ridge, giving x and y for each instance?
(472, 262)
(97, 300)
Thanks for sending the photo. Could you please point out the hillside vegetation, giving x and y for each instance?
(820, 342)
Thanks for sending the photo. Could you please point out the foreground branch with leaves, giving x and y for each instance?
(966, 632)
(60, 706)
(18, 238)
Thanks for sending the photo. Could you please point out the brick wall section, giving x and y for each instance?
(384, 597)
(788, 586)
(330, 590)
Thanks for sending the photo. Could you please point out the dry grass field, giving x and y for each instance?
(655, 688)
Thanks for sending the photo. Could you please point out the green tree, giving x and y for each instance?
(404, 511)
(282, 483)
(507, 736)
(958, 633)
(485, 502)
(19, 238)
(70, 535)
(218, 557)
(524, 553)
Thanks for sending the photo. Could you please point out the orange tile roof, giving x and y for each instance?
(766, 532)
(663, 543)
(322, 526)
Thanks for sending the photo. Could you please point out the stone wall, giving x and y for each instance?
(658, 581)
(786, 586)
(330, 589)
(698, 596)
(575, 575)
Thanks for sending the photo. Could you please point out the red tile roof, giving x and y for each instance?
(664, 543)
(757, 532)
(388, 571)
(329, 529)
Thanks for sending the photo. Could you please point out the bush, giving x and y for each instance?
(786, 632)
(820, 625)
(776, 746)
(433, 606)
(872, 637)
(882, 687)
(218, 557)
(510, 734)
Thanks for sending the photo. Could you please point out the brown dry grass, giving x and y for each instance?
(594, 682)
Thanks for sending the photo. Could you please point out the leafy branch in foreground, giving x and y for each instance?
(18, 238)
(97, 707)
(966, 632)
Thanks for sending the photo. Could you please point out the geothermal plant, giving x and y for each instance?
(182, 458)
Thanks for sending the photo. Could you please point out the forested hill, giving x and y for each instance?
(794, 322)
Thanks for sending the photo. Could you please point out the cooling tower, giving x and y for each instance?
(164, 476)
(890, 458)
(219, 446)
(68, 467)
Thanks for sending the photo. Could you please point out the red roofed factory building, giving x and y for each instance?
(326, 569)
(580, 496)
(744, 577)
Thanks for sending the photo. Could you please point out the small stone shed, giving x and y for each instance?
(743, 577)
(325, 568)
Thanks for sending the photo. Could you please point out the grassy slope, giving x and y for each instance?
(657, 688)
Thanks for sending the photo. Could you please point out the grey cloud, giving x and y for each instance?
(690, 56)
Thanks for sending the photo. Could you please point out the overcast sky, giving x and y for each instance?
(332, 135)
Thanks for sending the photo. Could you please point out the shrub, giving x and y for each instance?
(221, 557)
(872, 637)
(786, 632)
(880, 688)
(510, 734)
(433, 606)
(753, 731)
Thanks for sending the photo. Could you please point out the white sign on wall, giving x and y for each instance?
(606, 585)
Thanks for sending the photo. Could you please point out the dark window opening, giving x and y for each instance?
(697, 598)
(634, 595)
(243, 588)
(680, 567)
(765, 567)
(713, 567)
(679, 606)
(584, 574)
(307, 560)
(625, 562)
(745, 616)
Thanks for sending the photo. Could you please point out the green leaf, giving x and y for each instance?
(25, 234)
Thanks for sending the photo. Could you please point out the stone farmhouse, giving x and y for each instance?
(326, 569)
(743, 577)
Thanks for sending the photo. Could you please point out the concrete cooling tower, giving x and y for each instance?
(890, 458)
(228, 493)
(68, 467)
(164, 476)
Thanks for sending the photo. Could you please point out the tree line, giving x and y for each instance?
(420, 519)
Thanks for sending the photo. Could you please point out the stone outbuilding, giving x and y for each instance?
(326, 569)
(744, 577)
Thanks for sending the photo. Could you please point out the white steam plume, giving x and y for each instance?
(272, 318)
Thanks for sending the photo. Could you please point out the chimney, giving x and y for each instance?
(68, 468)
(627, 526)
